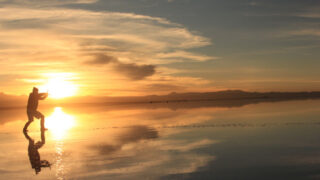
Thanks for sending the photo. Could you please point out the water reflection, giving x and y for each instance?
(33, 152)
(60, 169)
(159, 143)
(59, 123)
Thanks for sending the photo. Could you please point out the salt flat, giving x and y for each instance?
(278, 140)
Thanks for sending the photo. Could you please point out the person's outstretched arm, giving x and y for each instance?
(43, 96)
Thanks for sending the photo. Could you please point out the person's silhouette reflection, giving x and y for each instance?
(32, 106)
(34, 155)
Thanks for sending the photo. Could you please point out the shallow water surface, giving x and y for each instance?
(275, 140)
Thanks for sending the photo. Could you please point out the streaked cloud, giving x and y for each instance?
(39, 40)
(35, 3)
(305, 32)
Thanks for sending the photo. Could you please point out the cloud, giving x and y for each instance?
(183, 55)
(310, 11)
(305, 32)
(185, 146)
(133, 152)
(126, 35)
(131, 70)
(100, 59)
(119, 44)
(134, 71)
(132, 135)
(309, 15)
(253, 3)
(137, 133)
(45, 3)
(25, 24)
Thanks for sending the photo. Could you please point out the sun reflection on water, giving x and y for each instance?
(59, 123)
(60, 168)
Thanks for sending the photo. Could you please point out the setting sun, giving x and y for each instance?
(59, 87)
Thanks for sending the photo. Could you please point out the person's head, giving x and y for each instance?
(35, 90)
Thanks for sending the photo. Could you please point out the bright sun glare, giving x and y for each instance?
(59, 123)
(59, 87)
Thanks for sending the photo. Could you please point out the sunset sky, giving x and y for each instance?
(143, 47)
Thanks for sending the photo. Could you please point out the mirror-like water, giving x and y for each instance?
(258, 141)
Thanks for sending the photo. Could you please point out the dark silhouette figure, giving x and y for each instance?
(34, 155)
(32, 106)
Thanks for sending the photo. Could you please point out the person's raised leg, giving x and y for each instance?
(43, 137)
(42, 123)
(40, 116)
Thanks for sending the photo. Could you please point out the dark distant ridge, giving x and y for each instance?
(234, 95)
(228, 95)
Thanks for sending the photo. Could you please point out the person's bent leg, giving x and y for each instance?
(30, 119)
(25, 128)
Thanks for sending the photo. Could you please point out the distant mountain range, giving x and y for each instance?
(219, 97)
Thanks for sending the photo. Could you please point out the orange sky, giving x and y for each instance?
(91, 51)
(103, 53)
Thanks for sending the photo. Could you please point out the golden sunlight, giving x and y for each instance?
(59, 87)
(59, 123)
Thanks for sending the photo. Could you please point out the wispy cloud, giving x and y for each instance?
(122, 31)
(43, 3)
(305, 32)
(131, 45)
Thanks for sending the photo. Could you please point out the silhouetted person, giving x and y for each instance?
(32, 106)
(34, 156)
